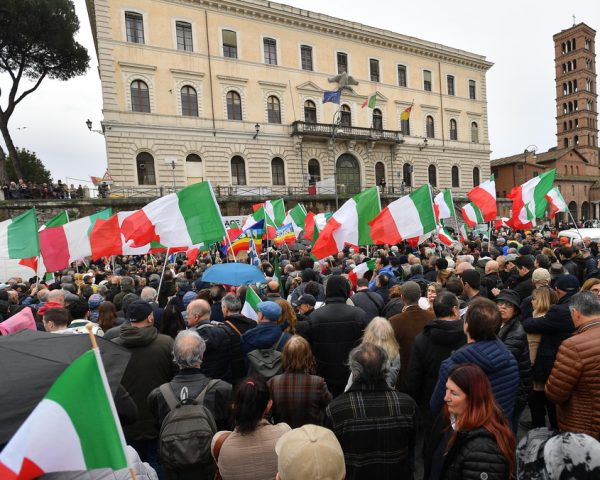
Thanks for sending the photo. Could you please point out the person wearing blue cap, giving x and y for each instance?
(266, 333)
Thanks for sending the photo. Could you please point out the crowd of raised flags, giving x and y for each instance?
(175, 223)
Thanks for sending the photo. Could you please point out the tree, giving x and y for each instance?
(31, 166)
(36, 41)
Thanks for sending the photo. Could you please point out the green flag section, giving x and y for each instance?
(370, 102)
(408, 217)
(472, 215)
(529, 200)
(77, 418)
(58, 220)
(250, 308)
(19, 236)
(444, 205)
(277, 273)
(297, 217)
(350, 224)
(188, 217)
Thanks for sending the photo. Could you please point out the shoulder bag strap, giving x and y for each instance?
(373, 301)
(218, 444)
(169, 396)
(209, 385)
(274, 347)
(233, 327)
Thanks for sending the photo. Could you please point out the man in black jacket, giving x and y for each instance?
(370, 302)
(524, 286)
(437, 341)
(235, 325)
(334, 329)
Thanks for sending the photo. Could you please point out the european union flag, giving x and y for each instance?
(333, 97)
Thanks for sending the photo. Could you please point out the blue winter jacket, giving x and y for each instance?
(384, 270)
(264, 335)
(496, 361)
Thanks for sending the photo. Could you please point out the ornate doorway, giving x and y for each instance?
(348, 174)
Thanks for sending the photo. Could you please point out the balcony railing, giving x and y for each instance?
(326, 130)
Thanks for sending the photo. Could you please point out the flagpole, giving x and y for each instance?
(266, 229)
(230, 246)
(37, 272)
(575, 223)
(162, 273)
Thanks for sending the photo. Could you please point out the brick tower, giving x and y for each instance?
(576, 99)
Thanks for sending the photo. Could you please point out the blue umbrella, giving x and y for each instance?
(233, 274)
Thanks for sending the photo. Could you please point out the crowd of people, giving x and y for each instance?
(476, 361)
(27, 190)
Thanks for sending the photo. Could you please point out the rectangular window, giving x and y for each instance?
(342, 62)
(401, 75)
(405, 127)
(229, 44)
(427, 80)
(270, 49)
(472, 92)
(184, 36)
(134, 25)
(450, 82)
(306, 57)
(374, 69)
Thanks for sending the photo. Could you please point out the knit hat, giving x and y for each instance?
(541, 275)
(567, 283)
(188, 298)
(310, 452)
(95, 301)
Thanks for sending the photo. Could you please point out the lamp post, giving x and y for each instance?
(529, 149)
(88, 122)
(257, 128)
(335, 125)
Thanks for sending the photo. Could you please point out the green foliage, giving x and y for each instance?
(32, 166)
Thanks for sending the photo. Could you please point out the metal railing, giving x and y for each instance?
(354, 133)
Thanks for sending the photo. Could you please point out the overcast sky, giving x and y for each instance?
(515, 35)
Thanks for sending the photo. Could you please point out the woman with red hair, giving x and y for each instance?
(482, 444)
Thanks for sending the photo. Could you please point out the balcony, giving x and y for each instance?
(326, 130)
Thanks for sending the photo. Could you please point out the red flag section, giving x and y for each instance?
(326, 244)
(139, 229)
(29, 262)
(105, 238)
(383, 228)
(54, 248)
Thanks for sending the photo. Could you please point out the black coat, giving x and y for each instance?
(491, 281)
(334, 330)
(217, 358)
(524, 285)
(514, 337)
(555, 327)
(370, 302)
(432, 346)
(473, 454)
(393, 307)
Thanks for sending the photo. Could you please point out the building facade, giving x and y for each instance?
(232, 91)
(575, 156)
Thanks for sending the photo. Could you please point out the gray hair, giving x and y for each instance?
(586, 303)
(42, 295)
(56, 296)
(198, 308)
(368, 364)
(127, 282)
(148, 294)
(188, 349)
(416, 269)
(102, 290)
(232, 303)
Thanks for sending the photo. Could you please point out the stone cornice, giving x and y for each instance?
(282, 86)
(186, 73)
(225, 78)
(136, 66)
(273, 12)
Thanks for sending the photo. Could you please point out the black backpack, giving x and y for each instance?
(265, 362)
(187, 430)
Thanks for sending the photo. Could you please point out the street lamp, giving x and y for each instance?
(88, 122)
(257, 128)
(423, 145)
(529, 149)
(172, 161)
(335, 126)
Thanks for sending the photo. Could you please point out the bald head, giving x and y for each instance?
(492, 267)
(57, 296)
(197, 311)
(273, 286)
(463, 267)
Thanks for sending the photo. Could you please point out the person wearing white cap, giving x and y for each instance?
(310, 452)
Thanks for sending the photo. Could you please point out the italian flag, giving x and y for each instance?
(444, 236)
(19, 237)
(62, 245)
(556, 201)
(188, 217)
(350, 224)
(74, 427)
(484, 198)
(463, 233)
(297, 217)
(107, 239)
(529, 200)
(272, 212)
(414, 242)
(370, 102)
(472, 215)
(409, 216)
(250, 308)
(360, 270)
(443, 205)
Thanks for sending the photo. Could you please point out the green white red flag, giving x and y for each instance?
(74, 427)
(360, 270)
(444, 236)
(529, 200)
(556, 201)
(19, 236)
(463, 233)
(297, 217)
(250, 308)
(350, 224)
(409, 216)
(483, 197)
(444, 205)
(472, 215)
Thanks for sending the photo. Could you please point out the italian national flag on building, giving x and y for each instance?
(74, 427)
(250, 308)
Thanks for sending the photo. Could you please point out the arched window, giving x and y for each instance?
(455, 177)
(474, 132)
(430, 128)
(345, 116)
(310, 112)
(407, 174)
(234, 106)
(145, 169)
(379, 173)
(453, 130)
(476, 176)
(273, 109)
(140, 97)
(314, 171)
(377, 119)
(193, 157)
(277, 171)
(193, 168)
(432, 175)
(189, 101)
(238, 171)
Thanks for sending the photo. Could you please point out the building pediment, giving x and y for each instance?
(309, 87)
